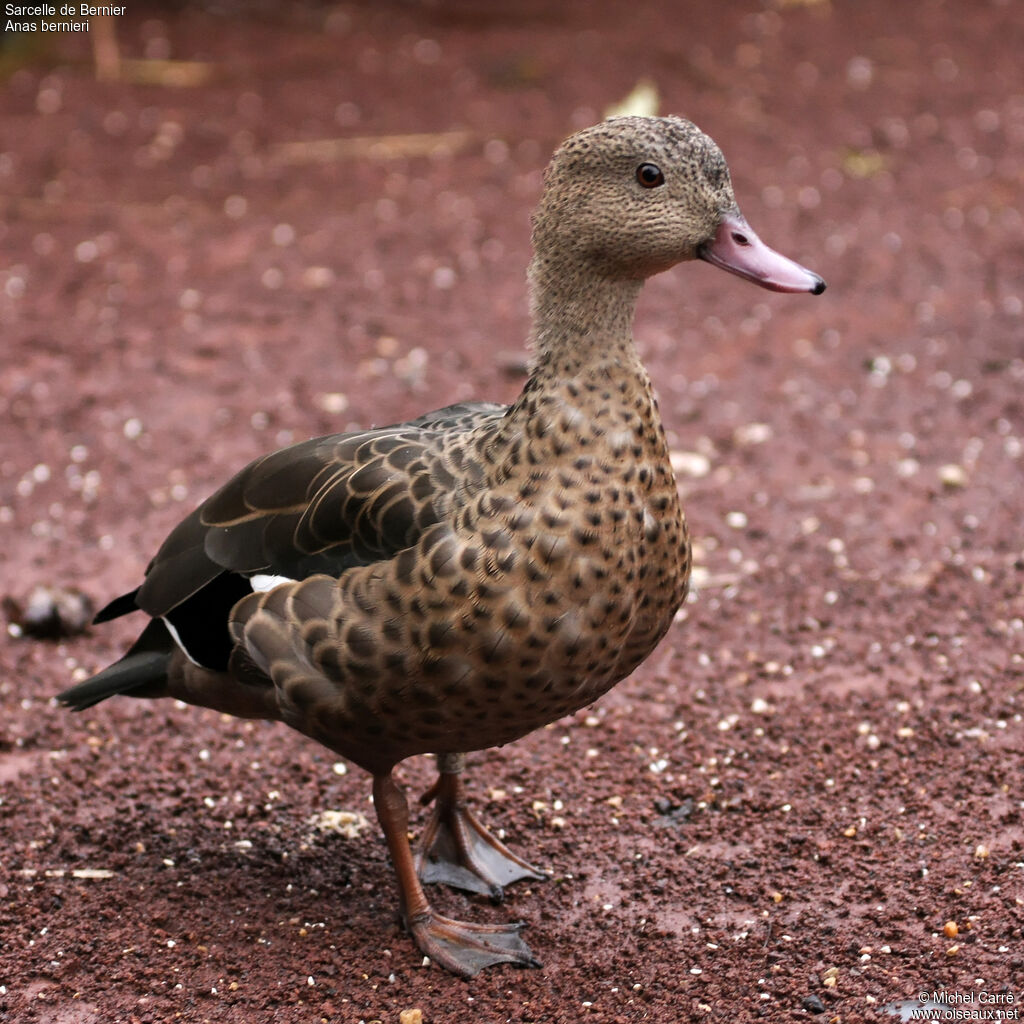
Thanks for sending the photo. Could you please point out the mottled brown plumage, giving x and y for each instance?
(454, 582)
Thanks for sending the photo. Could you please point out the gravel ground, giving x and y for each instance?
(806, 805)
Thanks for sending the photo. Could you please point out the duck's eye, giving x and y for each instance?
(650, 176)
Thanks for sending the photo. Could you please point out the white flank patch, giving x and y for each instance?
(262, 582)
(177, 639)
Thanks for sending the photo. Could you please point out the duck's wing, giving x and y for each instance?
(319, 506)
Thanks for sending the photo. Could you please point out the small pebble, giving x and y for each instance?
(753, 433)
(953, 476)
(692, 464)
(333, 402)
(345, 823)
(951, 929)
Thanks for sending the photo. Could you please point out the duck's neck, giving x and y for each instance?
(580, 319)
(588, 388)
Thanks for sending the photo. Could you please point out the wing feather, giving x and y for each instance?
(319, 506)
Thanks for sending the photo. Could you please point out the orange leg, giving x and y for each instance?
(460, 947)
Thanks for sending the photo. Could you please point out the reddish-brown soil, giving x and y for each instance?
(821, 766)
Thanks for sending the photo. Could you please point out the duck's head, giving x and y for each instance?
(633, 196)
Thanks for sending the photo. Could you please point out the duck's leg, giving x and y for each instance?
(456, 849)
(460, 947)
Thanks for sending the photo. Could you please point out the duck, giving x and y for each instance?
(452, 583)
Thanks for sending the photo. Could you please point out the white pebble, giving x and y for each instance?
(753, 433)
(690, 463)
(953, 475)
(318, 277)
(87, 251)
(346, 823)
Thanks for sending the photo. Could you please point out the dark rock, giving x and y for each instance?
(812, 1004)
(49, 612)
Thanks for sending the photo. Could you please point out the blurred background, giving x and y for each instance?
(229, 224)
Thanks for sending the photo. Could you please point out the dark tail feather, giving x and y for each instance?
(142, 672)
(122, 605)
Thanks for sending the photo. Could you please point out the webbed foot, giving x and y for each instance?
(457, 850)
(465, 948)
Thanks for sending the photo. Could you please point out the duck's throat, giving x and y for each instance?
(580, 317)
